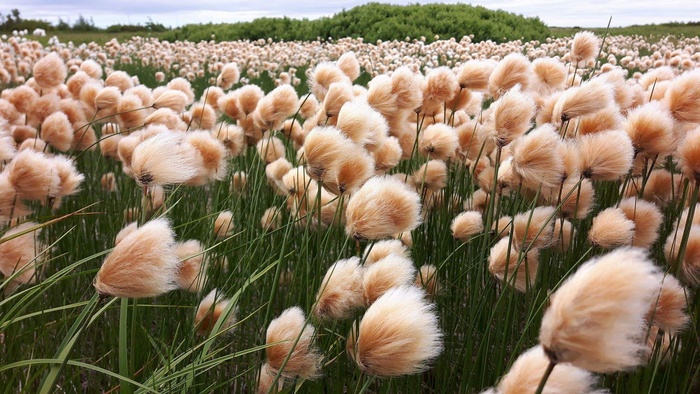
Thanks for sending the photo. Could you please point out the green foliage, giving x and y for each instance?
(14, 21)
(84, 24)
(150, 26)
(375, 21)
(650, 32)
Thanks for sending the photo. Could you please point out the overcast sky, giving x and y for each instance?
(585, 13)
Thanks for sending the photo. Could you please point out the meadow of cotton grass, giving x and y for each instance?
(350, 217)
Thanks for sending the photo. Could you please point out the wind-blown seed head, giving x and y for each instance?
(381, 97)
(548, 76)
(514, 69)
(438, 141)
(650, 127)
(35, 144)
(470, 139)
(647, 219)
(69, 178)
(289, 335)
(338, 94)
(362, 124)
(232, 136)
(23, 98)
(611, 228)
(8, 148)
(398, 335)
(689, 154)
(10, 204)
(275, 107)
(57, 131)
(387, 155)
(383, 206)
(209, 312)
(349, 64)
(163, 160)
(389, 272)
(31, 176)
(427, 279)
(596, 318)
(143, 93)
(41, 108)
(166, 117)
(248, 98)
(406, 89)
(512, 115)
(668, 310)
(203, 116)
(432, 176)
(606, 155)
(440, 86)
(50, 71)
(266, 379)
(223, 225)
(323, 76)
(584, 47)
(91, 68)
(564, 234)
(577, 197)
(683, 96)
(690, 265)
(466, 225)
(210, 155)
(107, 98)
(271, 219)
(351, 173)
(660, 187)
(229, 76)
(130, 111)
(173, 99)
(505, 262)
(525, 374)
(534, 229)
(182, 85)
(381, 249)
(324, 149)
(228, 104)
(270, 149)
(84, 137)
(20, 255)
(582, 100)
(608, 118)
(474, 74)
(143, 264)
(128, 229)
(537, 160)
(341, 290)
(191, 272)
(120, 80)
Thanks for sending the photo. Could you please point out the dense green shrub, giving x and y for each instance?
(376, 21)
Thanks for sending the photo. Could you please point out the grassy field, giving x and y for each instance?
(59, 336)
(647, 31)
(100, 38)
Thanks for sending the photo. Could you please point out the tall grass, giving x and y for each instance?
(59, 336)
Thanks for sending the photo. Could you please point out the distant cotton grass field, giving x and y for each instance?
(349, 217)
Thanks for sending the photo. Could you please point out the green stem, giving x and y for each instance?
(125, 387)
(548, 372)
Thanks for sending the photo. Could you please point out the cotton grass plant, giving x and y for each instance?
(342, 219)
